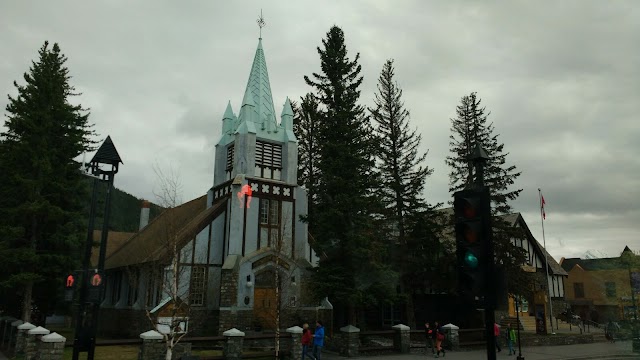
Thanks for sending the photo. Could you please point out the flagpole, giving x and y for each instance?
(546, 262)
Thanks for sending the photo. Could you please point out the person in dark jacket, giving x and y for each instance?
(428, 332)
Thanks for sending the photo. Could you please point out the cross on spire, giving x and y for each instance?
(261, 23)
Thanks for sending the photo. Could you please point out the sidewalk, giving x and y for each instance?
(2, 357)
(601, 351)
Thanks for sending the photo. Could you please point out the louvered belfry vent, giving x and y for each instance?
(230, 153)
(268, 155)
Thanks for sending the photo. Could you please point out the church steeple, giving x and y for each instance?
(258, 93)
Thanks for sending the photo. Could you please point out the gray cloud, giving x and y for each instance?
(560, 81)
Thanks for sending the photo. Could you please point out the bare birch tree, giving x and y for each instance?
(164, 269)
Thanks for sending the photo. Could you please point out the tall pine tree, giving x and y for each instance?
(468, 128)
(42, 192)
(344, 226)
(305, 124)
(403, 176)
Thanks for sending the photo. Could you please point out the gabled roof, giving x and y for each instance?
(148, 244)
(115, 240)
(515, 219)
(554, 267)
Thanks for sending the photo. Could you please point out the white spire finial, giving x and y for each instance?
(261, 23)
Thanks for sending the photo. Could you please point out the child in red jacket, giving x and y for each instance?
(306, 341)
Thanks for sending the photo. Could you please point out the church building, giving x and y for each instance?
(243, 249)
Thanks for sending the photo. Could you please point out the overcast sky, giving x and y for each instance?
(561, 79)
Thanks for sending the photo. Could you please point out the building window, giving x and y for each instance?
(197, 288)
(610, 288)
(117, 284)
(578, 290)
(132, 294)
(268, 160)
(269, 212)
(154, 288)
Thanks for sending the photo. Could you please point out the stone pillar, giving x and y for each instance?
(51, 347)
(153, 347)
(13, 332)
(233, 345)
(351, 344)
(21, 338)
(32, 343)
(296, 341)
(451, 338)
(402, 338)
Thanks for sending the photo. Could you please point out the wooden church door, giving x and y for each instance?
(265, 300)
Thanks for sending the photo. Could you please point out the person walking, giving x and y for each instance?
(318, 340)
(428, 332)
(496, 334)
(306, 341)
(439, 332)
(511, 339)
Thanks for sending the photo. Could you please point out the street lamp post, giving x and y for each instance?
(520, 357)
(102, 168)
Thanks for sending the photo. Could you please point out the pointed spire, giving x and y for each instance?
(228, 113)
(286, 118)
(228, 120)
(258, 94)
(287, 109)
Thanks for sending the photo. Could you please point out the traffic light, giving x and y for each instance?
(95, 282)
(472, 212)
(70, 282)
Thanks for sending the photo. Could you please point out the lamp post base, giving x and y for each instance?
(520, 357)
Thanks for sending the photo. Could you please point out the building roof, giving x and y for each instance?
(515, 219)
(596, 264)
(149, 244)
(115, 240)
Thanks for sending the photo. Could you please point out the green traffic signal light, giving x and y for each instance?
(471, 260)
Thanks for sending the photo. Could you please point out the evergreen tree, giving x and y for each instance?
(469, 128)
(344, 223)
(403, 176)
(42, 192)
(306, 121)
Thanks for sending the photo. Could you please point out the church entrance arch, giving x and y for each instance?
(265, 298)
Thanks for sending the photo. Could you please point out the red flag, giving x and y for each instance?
(544, 215)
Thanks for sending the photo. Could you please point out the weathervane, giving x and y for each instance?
(261, 23)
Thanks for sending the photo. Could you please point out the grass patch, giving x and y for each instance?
(116, 352)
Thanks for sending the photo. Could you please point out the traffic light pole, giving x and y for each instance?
(479, 157)
(103, 250)
(490, 275)
(82, 305)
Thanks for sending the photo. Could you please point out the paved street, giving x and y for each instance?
(601, 351)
